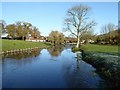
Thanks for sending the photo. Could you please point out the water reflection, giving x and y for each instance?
(19, 59)
(79, 57)
(55, 50)
(37, 71)
(81, 75)
(24, 54)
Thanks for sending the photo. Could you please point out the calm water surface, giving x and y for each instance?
(55, 67)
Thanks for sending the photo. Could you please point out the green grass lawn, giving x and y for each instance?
(20, 44)
(101, 48)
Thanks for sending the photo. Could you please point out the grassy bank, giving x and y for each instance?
(105, 58)
(107, 65)
(100, 48)
(19, 44)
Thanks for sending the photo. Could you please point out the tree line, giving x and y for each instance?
(21, 30)
(110, 35)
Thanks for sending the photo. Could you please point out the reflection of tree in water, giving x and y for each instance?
(24, 54)
(79, 57)
(79, 74)
(72, 72)
(55, 50)
(20, 59)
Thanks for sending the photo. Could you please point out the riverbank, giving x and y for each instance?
(8, 45)
(113, 49)
(106, 60)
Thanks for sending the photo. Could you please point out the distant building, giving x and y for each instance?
(4, 35)
(91, 41)
(70, 40)
(33, 39)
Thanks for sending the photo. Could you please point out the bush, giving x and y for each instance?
(75, 49)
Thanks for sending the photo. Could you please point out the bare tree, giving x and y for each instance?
(107, 28)
(111, 27)
(104, 29)
(77, 21)
(109, 33)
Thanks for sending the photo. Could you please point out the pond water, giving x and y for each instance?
(55, 67)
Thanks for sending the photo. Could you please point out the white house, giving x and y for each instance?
(4, 35)
(2, 25)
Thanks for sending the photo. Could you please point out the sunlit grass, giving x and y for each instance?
(101, 48)
(20, 44)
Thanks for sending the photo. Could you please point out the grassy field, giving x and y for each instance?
(19, 44)
(101, 48)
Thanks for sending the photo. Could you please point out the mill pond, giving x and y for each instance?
(49, 68)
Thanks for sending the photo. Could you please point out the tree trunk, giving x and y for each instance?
(78, 42)
(22, 37)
